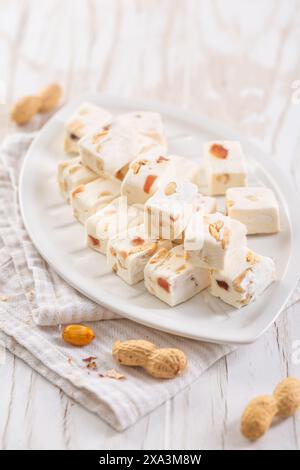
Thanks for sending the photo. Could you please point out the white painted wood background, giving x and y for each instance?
(233, 60)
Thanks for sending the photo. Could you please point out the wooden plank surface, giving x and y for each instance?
(235, 61)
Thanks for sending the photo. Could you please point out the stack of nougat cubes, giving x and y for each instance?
(142, 208)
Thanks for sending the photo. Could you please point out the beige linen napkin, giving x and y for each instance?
(35, 302)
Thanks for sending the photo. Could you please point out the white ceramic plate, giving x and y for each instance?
(60, 240)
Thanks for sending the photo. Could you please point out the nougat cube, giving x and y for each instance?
(224, 165)
(256, 207)
(128, 255)
(109, 222)
(173, 279)
(72, 173)
(84, 120)
(217, 237)
(168, 211)
(145, 175)
(109, 152)
(147, 123)
(243, 279)
(88, 198)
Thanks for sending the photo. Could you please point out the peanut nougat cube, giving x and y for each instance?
(173, 279)
(113, 219)
(88, 198)
(84, 120)
(109, 152)
(72, 173)
(168, 211)
(128, 255)
(217, 237)
(147, 123)
(256, 207)
(224, 165)
(145, 175)
(244, 278)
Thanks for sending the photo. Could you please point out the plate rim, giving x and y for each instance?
(212, 126)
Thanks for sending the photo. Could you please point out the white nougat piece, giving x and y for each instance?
(173, 279)
(219, 237)
(201, 180)
(193, 235)
(87, 199)
(145, 122)
(256, 207)
(109, 222)
(167, 212)
(127, 256)
(207, 203)
(109, 152)
(187, 169)
(84, 120)
(243, 279)
(72, 173)
(144, 177)
(224, 165)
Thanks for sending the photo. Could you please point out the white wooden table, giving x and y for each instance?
(235, 61)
